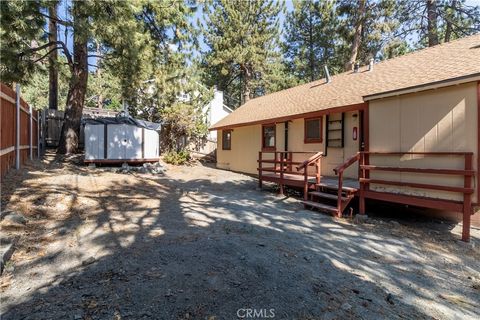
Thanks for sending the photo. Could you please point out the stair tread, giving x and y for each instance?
(335, 187)
(321, 206)
(326, 195)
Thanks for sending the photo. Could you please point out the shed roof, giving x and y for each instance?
(457, 61)
(123, 120)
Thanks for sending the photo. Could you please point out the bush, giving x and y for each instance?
(177, 158)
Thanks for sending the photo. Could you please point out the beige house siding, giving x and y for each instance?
(442, 120)
(246, 143)
(243, 155)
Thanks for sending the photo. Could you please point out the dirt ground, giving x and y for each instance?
(202, 243)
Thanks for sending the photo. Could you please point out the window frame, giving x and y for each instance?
(313, 140)
(224, 134)
(269, 148)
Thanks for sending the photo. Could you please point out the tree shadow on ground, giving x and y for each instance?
(189, 249)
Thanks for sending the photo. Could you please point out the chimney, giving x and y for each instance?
(370, 65)
(356, 67)
(327, 74)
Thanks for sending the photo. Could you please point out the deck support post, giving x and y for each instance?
(281, 173)
(260, 169)
(305, 183)
(362, 185)
(339, 198)
(467, 200)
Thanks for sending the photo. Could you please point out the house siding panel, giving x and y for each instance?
(246, 143)
(442, 120)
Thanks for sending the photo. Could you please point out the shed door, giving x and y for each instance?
(94, 142)
(133, 142)
(151, 144)
(116, 141)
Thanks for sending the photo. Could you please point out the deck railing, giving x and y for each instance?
(467, 190)
(315, 160)
(281, 163)
(339, 171)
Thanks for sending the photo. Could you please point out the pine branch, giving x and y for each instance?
(47, 54)
(57, 20)
(49, 44)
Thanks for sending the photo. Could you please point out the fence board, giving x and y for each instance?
(8, 130)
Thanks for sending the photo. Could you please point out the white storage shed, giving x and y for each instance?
(121, 139)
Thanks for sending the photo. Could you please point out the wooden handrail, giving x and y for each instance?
(467, 190)
(347, 163)
(310, 160)
(420, 170)
(417, 185)
(339, 171)
(419, 153)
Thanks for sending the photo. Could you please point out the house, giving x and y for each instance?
(214, 111)
(404, 130)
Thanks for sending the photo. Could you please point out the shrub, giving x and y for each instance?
(177, 158)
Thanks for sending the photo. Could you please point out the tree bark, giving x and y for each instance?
(448, 28)
(311, 48)
(53, 59)
(69, 136)
(99, 77)
(432, 31)
(357, 35)
(246, 83)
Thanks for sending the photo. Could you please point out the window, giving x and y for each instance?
(226, 139)
(313, 130)
(268, 137)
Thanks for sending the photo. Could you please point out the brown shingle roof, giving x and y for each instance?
(453, 60)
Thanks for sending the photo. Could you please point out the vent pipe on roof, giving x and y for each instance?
(327, 74)
(370, 65)
(356, 67)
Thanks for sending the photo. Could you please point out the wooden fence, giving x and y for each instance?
(16, 146)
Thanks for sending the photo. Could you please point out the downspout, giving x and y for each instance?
(286, 136)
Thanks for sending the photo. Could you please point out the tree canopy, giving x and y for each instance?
(153, 56)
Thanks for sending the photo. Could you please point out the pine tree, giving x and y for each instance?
(308, 42)
(137, 37)
(430, 22)
(367, 29)
(21, 26)
(242, 37)
(53, 57)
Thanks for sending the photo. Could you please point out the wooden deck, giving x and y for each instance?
(295, 180)
(320, 191)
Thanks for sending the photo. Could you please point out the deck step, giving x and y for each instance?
(320, 206)
(326, 195)
(335, 187)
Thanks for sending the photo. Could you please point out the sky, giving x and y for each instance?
(198, 16)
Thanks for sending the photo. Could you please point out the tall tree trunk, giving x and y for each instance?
(99, 77)
(311, 48)
(449, 18)
(69, 136)
(357, 35)
(53, 59)
(247, 74)
(432, 31)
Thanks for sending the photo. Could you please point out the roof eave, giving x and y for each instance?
(426, 86)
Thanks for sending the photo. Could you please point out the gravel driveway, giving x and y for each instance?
(201, 243)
